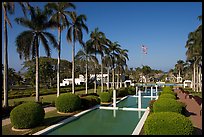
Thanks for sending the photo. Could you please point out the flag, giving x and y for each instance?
(144, 49)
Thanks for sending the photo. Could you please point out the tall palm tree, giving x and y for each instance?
(75, 34)
(121, 63)
(98, 41)
(86, 54)
(28, 41)
(179, 66)
(59, 15)
(107, 63)
(114, 53)
(8, 7)
(194, 52)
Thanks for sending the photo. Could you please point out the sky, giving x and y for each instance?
(162, 27)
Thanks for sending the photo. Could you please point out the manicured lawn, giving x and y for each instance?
(49, 98)
(51, 118)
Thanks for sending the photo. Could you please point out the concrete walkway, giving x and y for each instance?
(8, 121)
(193, 111)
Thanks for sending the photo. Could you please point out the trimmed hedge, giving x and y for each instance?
(167, 105)
(105, 96)
(68, 102)
(89, 101)
(168, 123)
(167, 96)
(122, 92)
(27, 115)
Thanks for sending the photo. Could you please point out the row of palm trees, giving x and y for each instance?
(194, 56)
(192, 67)
(57, 15)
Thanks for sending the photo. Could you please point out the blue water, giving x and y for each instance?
(105, 122)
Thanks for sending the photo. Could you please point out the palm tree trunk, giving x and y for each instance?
(5, 104)
(108, 81)
(86, 75)
(95, 76)
(37, 72)
(113, 77)
(200, 79)
(197, 78)
(58, 63)
(194, 76)
(101, 73)
(73, 79)
(120, 79)
(117, 80)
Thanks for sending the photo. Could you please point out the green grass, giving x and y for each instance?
(51, 118)
(49, 98)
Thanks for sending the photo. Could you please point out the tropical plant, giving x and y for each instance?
(59, 15)
(8, 7)
(114, 48)
(86, 54)
(194, 55)
(75, 34)
(99, 43)
(28, 41)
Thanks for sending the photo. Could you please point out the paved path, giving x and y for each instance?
(193, 111)
(7, 120)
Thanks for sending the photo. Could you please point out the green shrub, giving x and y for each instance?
(168, 123)
(167, 96)
(167, 105)
(122, 92)
(167, 89)
(131, 90)
(27, 115)
(89, 101)
(68, 102)
(105, 96)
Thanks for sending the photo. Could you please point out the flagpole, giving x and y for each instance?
(142, 64)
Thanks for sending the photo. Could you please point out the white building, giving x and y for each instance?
(78, 81)
(187, 83)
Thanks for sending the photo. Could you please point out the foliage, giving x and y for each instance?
(168, 123)
(89, 101)
(105, 96)
(27, 115)
(68, 102)
(167, 105)
(131, 90)
(122, 92)
(167, 96)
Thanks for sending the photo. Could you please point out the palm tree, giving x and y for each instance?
(60, 16)
(114, 53)
(194, 53)
(28, 41)
(121, 62)
(8, 7)
(75, 34)
(86, 54)
(179, 66)
(98, 41)
(107, 63)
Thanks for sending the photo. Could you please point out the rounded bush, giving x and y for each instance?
(167, 96)
(89, 101)
(68, 103)
(168, 123)
(122, 92)
(167, 105)
(105, 96)
(167, 89)
(27, 115)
